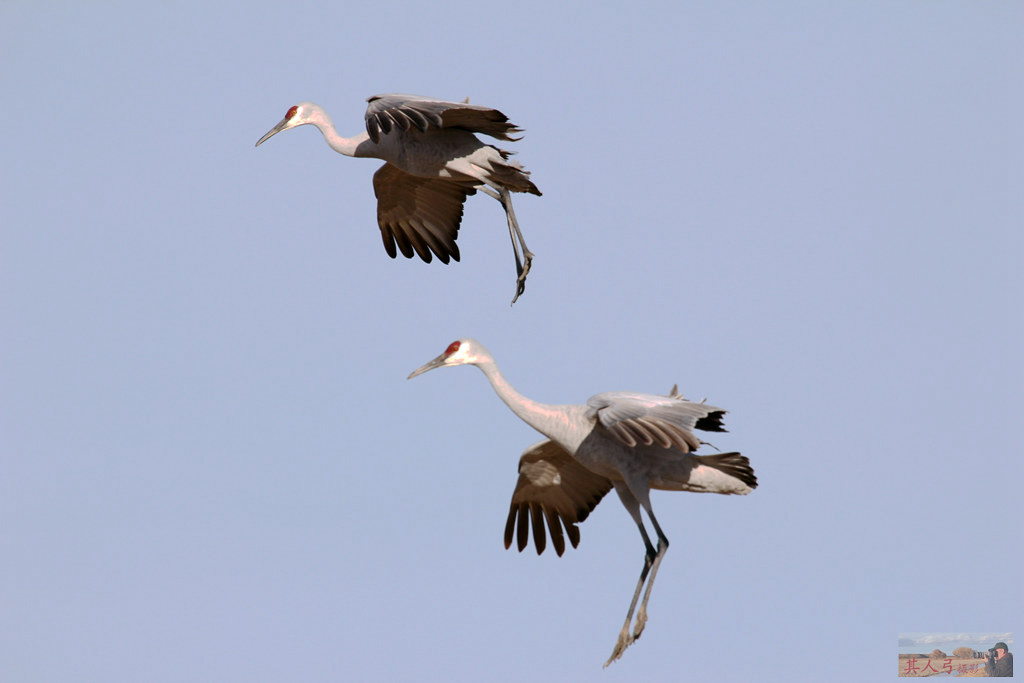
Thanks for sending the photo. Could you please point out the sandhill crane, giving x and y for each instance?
(623, 440)
(433, 162)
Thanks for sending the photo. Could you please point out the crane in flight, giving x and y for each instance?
(628, 441)
(433, 162)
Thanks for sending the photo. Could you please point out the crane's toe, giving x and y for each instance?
(527, 262)
(521, 270)
(620, 645)
(520, 288)
(641, 621)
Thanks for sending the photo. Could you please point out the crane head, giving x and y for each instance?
(460, 352)
(299, 115)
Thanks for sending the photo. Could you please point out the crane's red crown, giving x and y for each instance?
(452, 348)
(292, 112)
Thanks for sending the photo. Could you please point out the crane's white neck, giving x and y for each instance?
(358, 146)
(557, 422)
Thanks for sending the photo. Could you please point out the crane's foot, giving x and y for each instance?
(641, 621)
(621, 644)
(521, 271)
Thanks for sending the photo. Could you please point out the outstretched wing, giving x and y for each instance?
(552, 485)
(419, 214)
(404, 111)
(648, 419)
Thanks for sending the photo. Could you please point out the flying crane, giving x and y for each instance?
(433, 162)
(628, 441)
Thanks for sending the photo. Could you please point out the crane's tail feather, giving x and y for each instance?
(511, 174)
(725, 473)
(732, 464)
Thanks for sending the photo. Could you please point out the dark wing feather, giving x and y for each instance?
(385, 112)
(555, 488)
(419, 215)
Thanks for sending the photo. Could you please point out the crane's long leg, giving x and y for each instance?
(651, 559)
(625, 639)
(641, 615)
(515, 234)
(522, 253)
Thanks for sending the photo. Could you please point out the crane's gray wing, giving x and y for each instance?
(404, 111)
(420, 215)
(552, 485)
(668, 421)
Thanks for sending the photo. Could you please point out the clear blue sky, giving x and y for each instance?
(213, 468)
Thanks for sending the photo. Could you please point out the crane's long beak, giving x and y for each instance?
(436, 363)
(283, 125)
